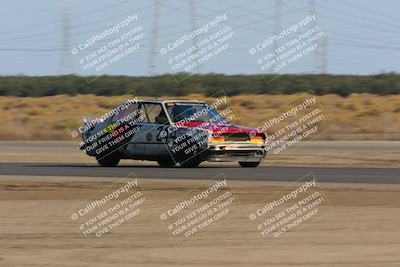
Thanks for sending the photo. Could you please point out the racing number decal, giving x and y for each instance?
(163, 133)
(160, 133)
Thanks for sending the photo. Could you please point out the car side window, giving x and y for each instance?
(142, 116)
(129, 113)
(152, 112)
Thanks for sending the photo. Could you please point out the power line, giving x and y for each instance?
(382, 45)
(249, 14)
(80, 26)
(61, 20)
(359, 24)
(374, 12)
(352, 15)
(23, 37)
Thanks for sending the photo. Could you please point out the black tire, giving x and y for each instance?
(249, 164)
(191, 163)
(110, 160)
(166, 163)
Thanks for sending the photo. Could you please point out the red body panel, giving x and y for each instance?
(222, 128)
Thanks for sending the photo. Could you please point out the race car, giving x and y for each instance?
(171, 132)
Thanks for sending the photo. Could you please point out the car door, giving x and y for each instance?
(114, 133)
(149, 142)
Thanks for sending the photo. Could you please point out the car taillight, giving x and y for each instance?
(257, 139)
(217, 139)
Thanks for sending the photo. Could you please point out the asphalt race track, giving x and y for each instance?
(333, 175)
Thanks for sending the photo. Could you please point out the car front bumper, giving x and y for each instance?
(236, 151)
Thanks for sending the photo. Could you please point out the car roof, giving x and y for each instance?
(170, 101)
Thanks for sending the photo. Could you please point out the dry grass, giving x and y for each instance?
(357, 117)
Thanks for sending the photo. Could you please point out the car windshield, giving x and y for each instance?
(194, 112)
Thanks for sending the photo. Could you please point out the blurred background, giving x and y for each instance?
(43, 87)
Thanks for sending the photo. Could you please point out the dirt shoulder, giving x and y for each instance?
(35, 230)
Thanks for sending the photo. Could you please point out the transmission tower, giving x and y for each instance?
(324, 64)
(321, 53)
(154, 39)
(324, 55)
(66, 58)
(317, 53)
(193, 25)
(277, 25)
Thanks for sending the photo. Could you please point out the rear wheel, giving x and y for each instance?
(167, 163)
(249, 164)
(110, 160)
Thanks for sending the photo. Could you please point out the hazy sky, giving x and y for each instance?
(362, 36)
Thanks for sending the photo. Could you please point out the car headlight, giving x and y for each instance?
(257, 139)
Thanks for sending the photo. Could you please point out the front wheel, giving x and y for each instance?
(249, 164)
(110, 160)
